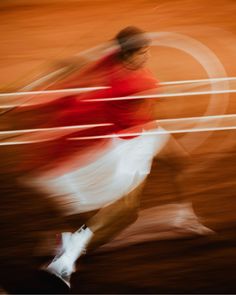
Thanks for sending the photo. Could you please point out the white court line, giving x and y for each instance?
(165, 95)
(62, 91)
(109, 124)
(22, 142)
(85, 89)
(198, 81)
(126, 135)
(203, 118)
(54, 128)
(31, 86)
(154, 133)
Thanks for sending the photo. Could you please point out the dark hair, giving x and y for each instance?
(131, 39)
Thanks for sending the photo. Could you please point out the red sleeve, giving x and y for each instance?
(131, 112)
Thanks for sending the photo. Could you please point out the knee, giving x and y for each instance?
(131, 208)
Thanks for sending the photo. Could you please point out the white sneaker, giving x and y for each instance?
(72, 247)
(62, 268)
(65, 239)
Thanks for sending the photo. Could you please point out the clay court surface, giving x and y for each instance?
(36, 34)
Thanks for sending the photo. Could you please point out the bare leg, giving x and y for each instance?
(112, 219)
(100, 228)
(178, 161)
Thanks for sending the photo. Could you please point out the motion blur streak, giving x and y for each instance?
(193, 51)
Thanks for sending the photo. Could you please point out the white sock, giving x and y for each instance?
(79, 241)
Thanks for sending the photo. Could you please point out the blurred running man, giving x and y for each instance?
(109, 174)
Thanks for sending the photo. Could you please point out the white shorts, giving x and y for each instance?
(117, 171)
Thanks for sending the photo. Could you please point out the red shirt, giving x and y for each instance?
(123, 82)
(123, 114)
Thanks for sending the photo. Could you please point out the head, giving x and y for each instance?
(134, 45)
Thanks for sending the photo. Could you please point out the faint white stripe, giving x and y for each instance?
(42, 80)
